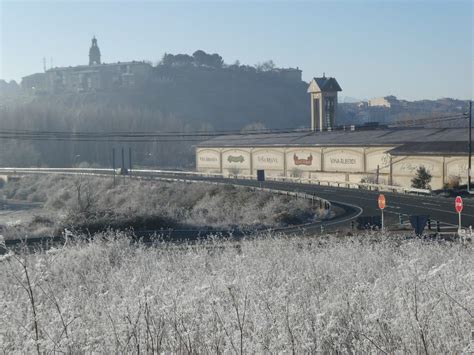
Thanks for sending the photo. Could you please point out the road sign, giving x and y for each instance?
(260, 175)
(419, 223)
(381, 201)
(458, 204)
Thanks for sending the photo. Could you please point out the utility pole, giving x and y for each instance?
(469, 171)
(468, 115)
(123, 165)
(113, 163)
(130, 161)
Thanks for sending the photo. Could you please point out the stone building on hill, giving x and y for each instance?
(93, 77)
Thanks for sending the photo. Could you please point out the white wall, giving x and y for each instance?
(351, 164)
(208, 160)
(404, 169)
(343, 159)
(236, 161)
(301, 161)
(271, 160)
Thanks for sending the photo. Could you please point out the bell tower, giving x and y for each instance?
(94, 53)
(323, 93)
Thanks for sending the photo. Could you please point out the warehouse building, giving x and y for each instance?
(384, 155)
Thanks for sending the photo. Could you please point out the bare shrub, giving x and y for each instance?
(366, 294)
(94, 204)
(454, 182)
(296, 173)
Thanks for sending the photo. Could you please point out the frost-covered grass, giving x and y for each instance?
(273, 294)
(94, 204)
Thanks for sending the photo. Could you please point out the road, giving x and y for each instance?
(437, 207)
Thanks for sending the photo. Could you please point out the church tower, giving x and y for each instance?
(323, 93)
(94, 53)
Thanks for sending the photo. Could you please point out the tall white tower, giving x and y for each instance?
(323, 93)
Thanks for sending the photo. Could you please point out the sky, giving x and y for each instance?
(411, 49)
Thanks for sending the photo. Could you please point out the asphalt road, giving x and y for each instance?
(436, 207)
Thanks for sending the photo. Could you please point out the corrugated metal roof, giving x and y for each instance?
(373, 137)
(432, 148)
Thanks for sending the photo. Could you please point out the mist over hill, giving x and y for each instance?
(182, 93)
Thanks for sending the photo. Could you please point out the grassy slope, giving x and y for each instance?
(152, 205)
(273, 294)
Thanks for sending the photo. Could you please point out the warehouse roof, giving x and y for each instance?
(372, 137)
(431, 148)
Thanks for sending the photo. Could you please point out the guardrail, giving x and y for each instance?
(346, 184)
(324, 204)
(100, 172)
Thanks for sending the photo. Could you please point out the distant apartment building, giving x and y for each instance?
(92, 77)
(387, 101)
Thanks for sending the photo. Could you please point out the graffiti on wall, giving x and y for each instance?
(235, 159)
(409, 167)
(343, 160)
(301, 161)
(268, 160)
(208, 159)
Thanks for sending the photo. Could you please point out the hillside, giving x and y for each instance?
(182, 93)
(175, 97)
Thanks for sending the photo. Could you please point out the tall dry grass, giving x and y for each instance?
(369, 293)
(95, 204)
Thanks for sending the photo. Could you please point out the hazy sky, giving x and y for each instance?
(411, 49)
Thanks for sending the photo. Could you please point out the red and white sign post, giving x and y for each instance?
(381, 201)
(459, 206)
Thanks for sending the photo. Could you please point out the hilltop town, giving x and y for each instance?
(219, 93)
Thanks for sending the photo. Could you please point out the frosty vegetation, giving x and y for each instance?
(271, 294)
(93, 204)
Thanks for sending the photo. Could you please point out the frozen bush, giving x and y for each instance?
(94, 204)
(269, 294)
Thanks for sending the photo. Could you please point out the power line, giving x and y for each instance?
(421, 125)
(163, 136)
(425, 120)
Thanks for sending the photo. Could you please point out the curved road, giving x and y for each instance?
(437, 207)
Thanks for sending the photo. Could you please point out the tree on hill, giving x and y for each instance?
(177, 60)
(204, 59)
(198, 59)
(421, 179)
(265, 66)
